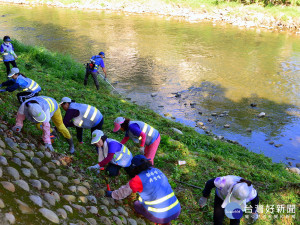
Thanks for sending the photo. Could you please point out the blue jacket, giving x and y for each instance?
(22, 82)
(98, 62)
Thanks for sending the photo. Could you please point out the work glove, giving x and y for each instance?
(95, 167)
(81, 142)
(16, 129)
(108, 194)
(50, 147)
(253, 217)
(202, 202)
(142, 150)
(2, 90)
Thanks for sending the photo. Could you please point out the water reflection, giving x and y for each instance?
(219, 69)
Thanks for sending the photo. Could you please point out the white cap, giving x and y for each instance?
(65, 99)
(238, 193)
(118, 121)
(96, 136)
(36, 111)
(13, 71)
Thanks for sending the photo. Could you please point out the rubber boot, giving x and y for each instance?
(71, 146)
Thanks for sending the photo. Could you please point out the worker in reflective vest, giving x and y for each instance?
(139, 131)
(8, 53)
(110, 152)
(157, 201)
(30, 87)
(232, 190)
(40, 110)
(81, 116)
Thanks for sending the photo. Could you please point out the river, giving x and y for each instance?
(216, 68)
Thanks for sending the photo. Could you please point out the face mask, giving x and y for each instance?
(6, 42)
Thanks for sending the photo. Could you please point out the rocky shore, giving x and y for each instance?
(242, 16)
(41, 186)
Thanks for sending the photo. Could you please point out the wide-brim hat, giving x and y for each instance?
(118, 121)
(238, 193)
(65, 99)
(96, 136)
(13, 71)
(36, 111)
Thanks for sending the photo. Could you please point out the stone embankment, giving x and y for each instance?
(242, 16)
(41, 187)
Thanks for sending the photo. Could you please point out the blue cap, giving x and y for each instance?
(138, 160)
(7, 40)
(102, 53)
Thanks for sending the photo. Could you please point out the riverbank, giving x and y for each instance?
(276, 18)
(59, 75)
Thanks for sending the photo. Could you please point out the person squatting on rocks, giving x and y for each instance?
(157, 201)
(81, 116)
(30, 87)
(139, 131)
(92, 68)
(8, 53)
(40, 110)
(110, 152)
(230, 188)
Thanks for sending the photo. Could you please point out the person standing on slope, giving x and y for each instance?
(8, 53)
(92, 68)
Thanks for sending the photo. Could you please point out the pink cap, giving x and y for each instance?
(117, 127)
(118, 121)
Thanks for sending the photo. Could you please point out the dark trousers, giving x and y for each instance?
(23, 96)
(114, 170)
(219, 213)
(13, 63)
(79, 130)
(139, 208)
(94, 75)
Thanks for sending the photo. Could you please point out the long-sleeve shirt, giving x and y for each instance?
(7, 50)
(210, 184)
(133, 186)
(136, 130)
(113, 147)
(70, 114)
(11, 84)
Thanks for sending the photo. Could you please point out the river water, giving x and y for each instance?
(215, 68)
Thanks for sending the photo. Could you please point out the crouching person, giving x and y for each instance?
(157, 201)
(41, 110)
(230, 189)
(111, 153)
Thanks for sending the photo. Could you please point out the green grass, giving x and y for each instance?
(59, 75)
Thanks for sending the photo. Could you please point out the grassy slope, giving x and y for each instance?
(60, 76)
